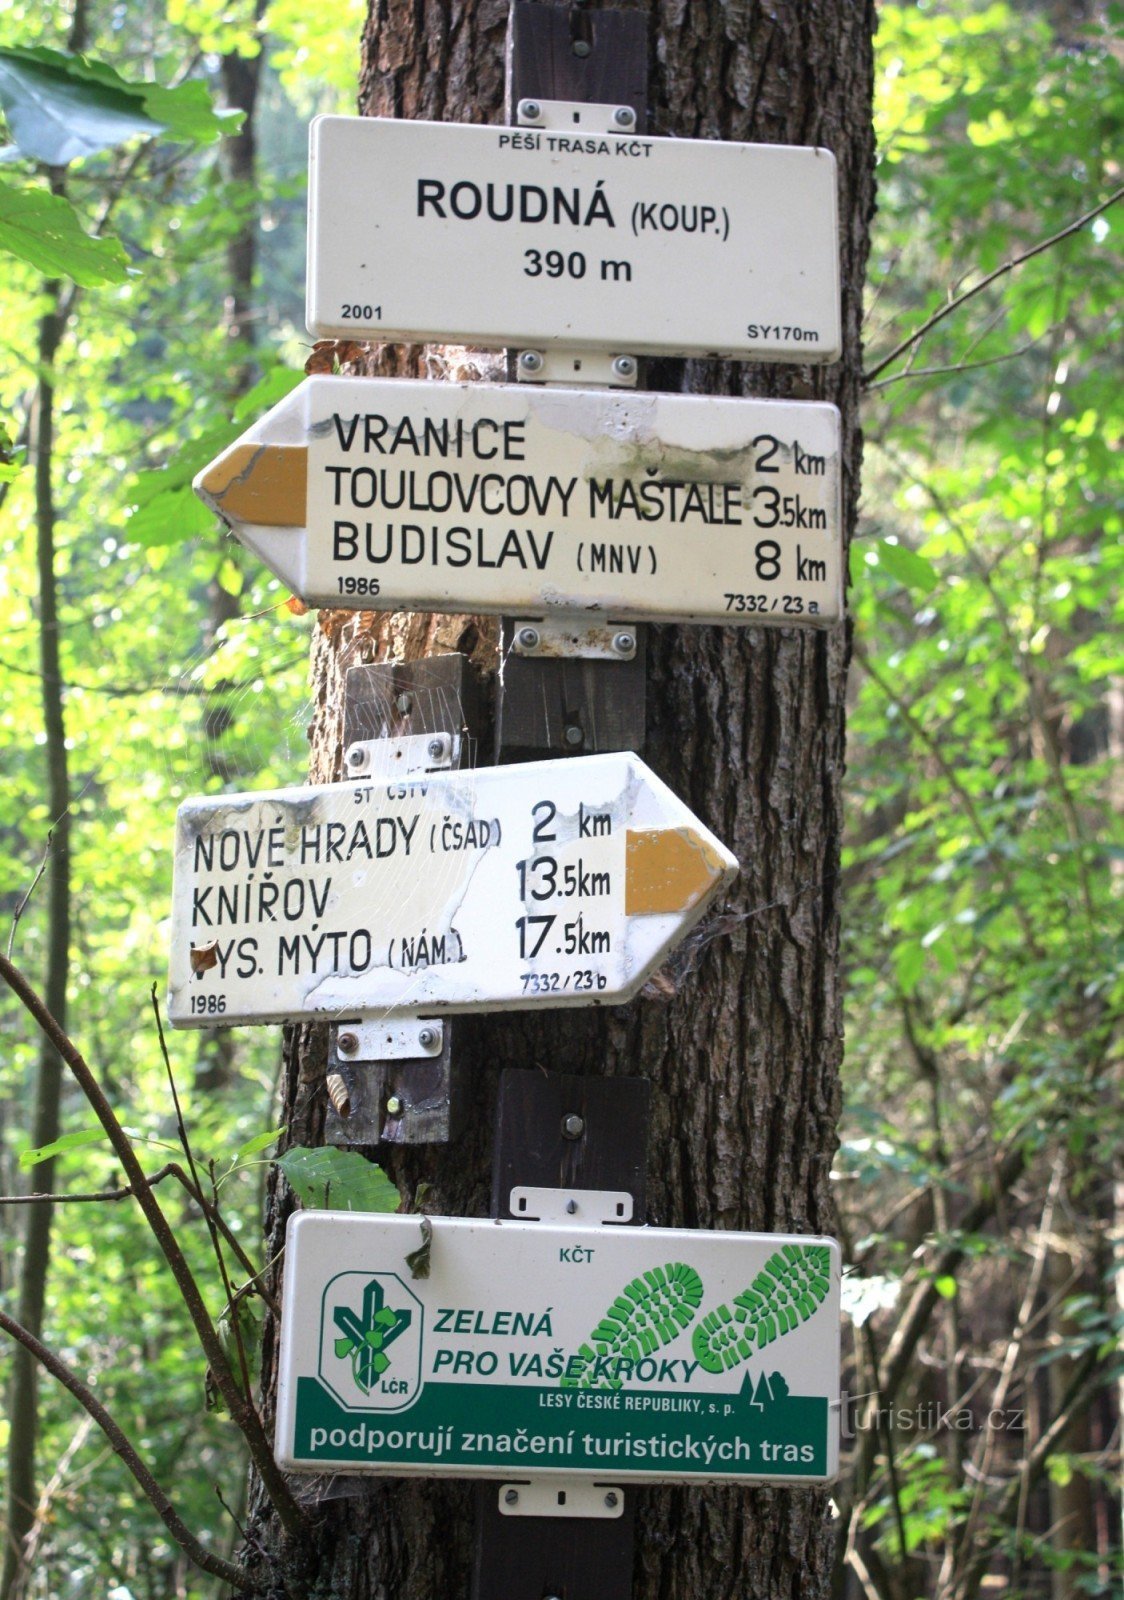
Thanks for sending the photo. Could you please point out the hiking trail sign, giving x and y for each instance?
(395, 494)
(547, 884)
(608, 241)
(529, 1348)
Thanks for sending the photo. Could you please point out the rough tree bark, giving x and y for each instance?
(747, 726)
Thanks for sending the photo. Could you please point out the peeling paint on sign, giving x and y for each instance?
(383, 493)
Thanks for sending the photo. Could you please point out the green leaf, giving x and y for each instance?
(69, 1141)
(337, 1180)
(907, 566)
(260, 1142)
(43, 230)
(61, 108)
(909, 964)
(945, 1287)
(58, 114)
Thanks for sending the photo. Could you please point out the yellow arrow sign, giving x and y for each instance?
(392, 494)
(551, 883)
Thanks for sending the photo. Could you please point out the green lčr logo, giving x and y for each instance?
(365, 1337)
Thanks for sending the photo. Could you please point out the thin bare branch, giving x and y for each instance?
(171, 1169)
(984, 283)
(151, 1490)
(26, 901)
(208, 1211)
(242, 1412)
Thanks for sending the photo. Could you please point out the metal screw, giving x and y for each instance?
(571, 1207)
(530, 361)
(356, 757)
(625, 366)
(403, 702)
(624, 116)
(511, 1497)
(611, 1499)
(427, 1038)
(572, 734)
(347, 1044)
(528, 638)
(393, 1106)
(582, 47)
(624, 643)
(436, 749)
(572, 1126)
(530, 110)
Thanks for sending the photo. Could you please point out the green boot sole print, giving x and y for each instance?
(788, 1290)
(649, 1312)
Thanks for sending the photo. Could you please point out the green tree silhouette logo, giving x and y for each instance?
(365, 1338)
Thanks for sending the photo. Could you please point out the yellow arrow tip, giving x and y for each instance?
(668, 870)
(264, 484)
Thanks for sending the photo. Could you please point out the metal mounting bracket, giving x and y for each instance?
(560, 1497)
(574, 116)
(577, 1207)
(394, 758)
(559, 638)
(403, 1039)
(592, 369)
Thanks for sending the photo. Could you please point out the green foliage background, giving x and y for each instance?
(986, 722)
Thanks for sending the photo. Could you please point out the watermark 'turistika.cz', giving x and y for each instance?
(861, 1413)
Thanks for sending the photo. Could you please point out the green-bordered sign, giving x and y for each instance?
(529, 1348)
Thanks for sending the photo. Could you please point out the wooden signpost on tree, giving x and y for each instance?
(745, 726)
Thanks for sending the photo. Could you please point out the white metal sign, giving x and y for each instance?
(622, 1353)
(387, 494)
(505, 236)
(554, 883)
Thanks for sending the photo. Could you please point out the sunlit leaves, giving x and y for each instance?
(43, 229)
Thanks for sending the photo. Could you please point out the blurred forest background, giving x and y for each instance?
(152, 300)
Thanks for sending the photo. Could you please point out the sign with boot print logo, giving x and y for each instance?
(652, 1354)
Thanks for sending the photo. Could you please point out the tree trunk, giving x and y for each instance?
(747, 727)
(23, 1403)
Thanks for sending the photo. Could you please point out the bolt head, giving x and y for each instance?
(403, 702)
(511, 1497)
(582, 47)
(611, 1499)
(529, 638)
(573, 1126)
(624, 643)
(571, 1207)
(624, 367)
(427, 1038)
(573, 735)
(530, 361)
(436, 749)
(393, 1106)
(355, 758)
(530, 109)
(347, 1044)
(624, 116)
